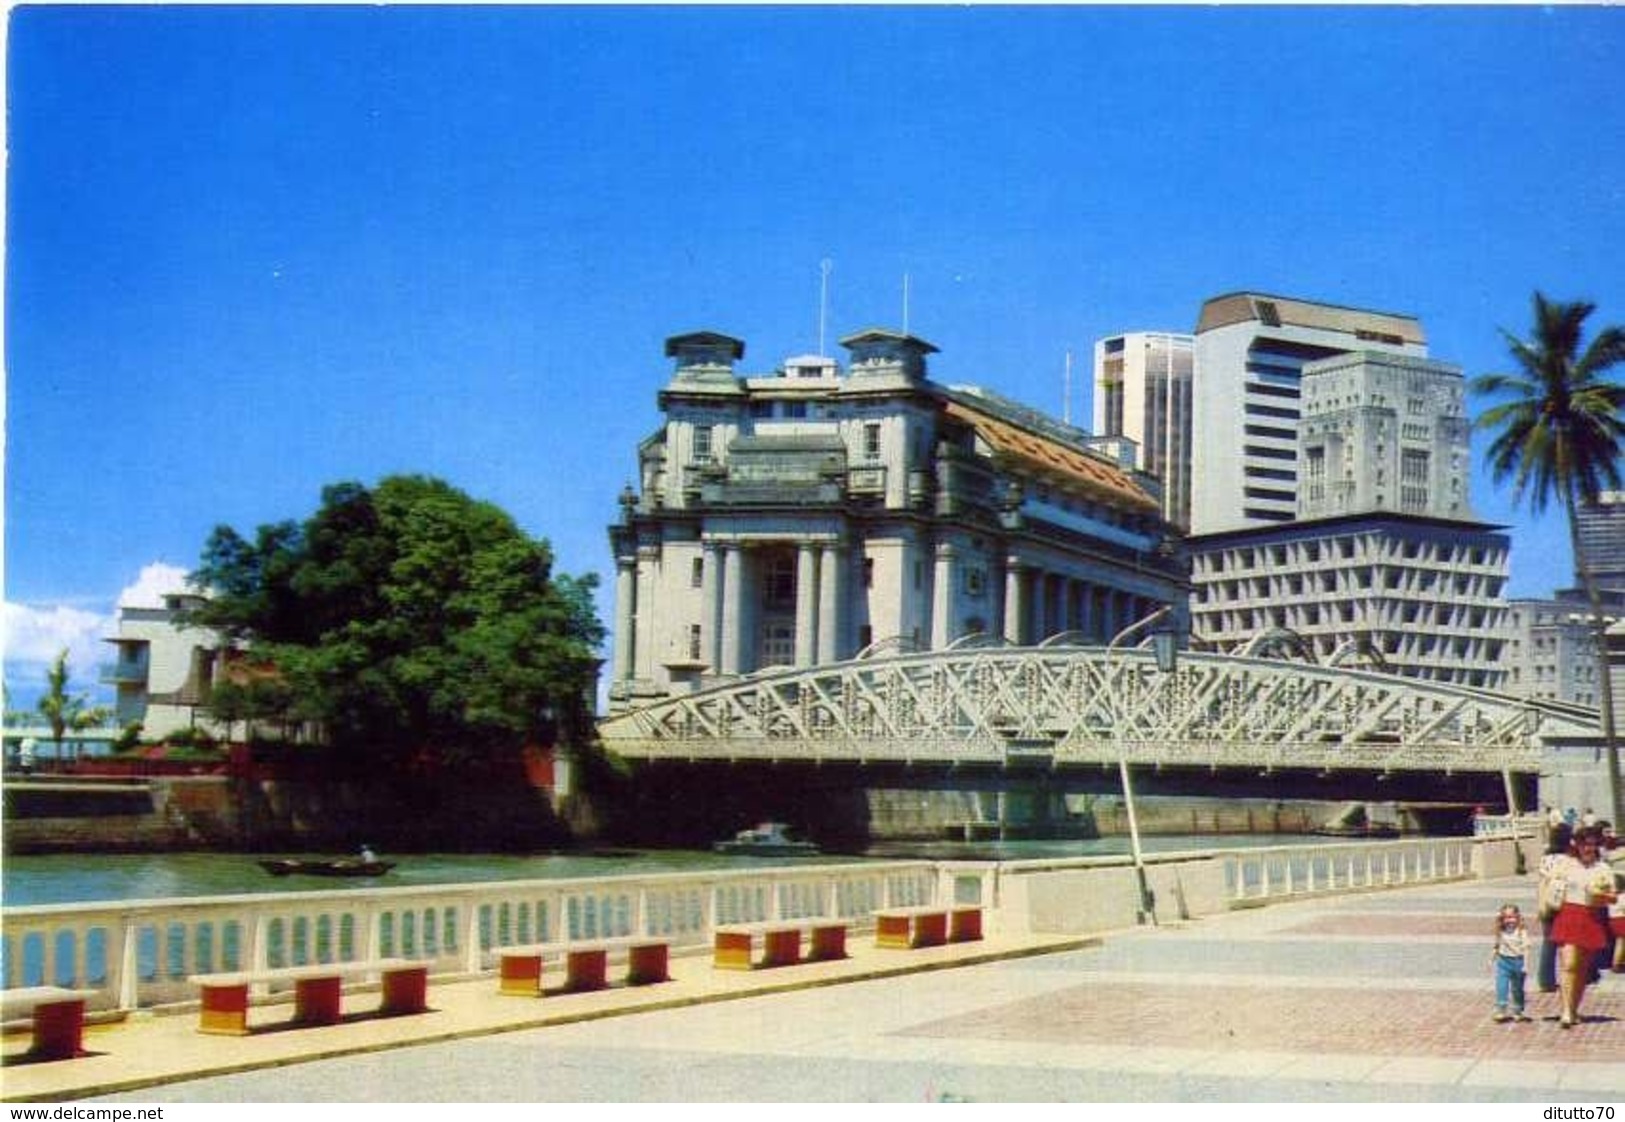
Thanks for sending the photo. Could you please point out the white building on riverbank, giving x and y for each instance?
(805, 514)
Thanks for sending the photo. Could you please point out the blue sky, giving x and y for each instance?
(252, 251)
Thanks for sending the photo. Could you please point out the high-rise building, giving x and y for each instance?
(1382, 432)
(800, 516)
(1250, 351)
(1143, 392)
(1602, 540)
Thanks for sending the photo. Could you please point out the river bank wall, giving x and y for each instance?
(218, 813)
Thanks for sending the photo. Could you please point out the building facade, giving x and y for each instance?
(162, 674)
(1142, 391)
(1602, 541)
(1551, 650)
(1417, 596)
(801, 516)
(1250, 351)
(1382, 432)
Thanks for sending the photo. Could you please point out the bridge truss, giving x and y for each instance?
(1084, 705)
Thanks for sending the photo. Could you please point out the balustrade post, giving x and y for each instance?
(259, 947)
(468, 934)
(708, 911)
(1264, 886)
(126, 982)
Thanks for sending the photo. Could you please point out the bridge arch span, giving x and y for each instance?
(1068, 705)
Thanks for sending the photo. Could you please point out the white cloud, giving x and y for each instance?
(31, 636)
(35, 636)
(150, 587)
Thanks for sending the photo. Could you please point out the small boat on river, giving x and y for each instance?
(342, 867)
(769, 839)
(1354, 822)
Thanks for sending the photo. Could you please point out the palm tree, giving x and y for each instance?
(1558, 438)
(60, 709)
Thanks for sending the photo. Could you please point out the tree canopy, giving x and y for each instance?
(407, 618)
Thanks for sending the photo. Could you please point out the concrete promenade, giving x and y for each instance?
(1376, 996)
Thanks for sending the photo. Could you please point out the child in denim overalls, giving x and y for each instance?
(1509, 963)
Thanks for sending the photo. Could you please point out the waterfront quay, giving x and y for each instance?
(1285, 989)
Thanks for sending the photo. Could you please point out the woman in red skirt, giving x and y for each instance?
(1578, 929)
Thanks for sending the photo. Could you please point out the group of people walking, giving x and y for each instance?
(1582, 922)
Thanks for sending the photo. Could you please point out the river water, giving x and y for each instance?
(84, 878)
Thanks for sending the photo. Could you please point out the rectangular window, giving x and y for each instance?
(795, 410)
(696, 573)
(1271, 453)
(871, 440)
(702, 444)
(694, 642)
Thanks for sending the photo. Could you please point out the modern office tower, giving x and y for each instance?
(800, 516)
(1602, 541)
(1382, 432)
(1250, 351)
(1143, 392)
(1551, 650)
(1412, 595)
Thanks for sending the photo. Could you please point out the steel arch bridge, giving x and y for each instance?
(1075, 705)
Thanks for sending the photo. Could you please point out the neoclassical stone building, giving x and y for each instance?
(801, 516)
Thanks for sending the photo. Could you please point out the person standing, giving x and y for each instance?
(1510, 959)
(1577, 929)
(1551, 899)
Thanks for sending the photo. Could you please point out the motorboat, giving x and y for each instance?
(767, 839)
(341, 867)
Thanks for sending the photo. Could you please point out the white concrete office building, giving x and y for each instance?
(1249, 354)
(799, 516)
(1142, 391)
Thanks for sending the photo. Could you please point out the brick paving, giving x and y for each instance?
(1405, 926)
(1367, 1021)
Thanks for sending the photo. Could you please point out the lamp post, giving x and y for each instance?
(1165, 644)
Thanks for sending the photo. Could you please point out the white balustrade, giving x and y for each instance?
(1278, 872)
(138, 954)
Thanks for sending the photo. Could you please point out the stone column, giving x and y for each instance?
(711, 607)
(733, 606)
(625, 614)
(645, 642)
(1015, 601)
(942, 597)
(831, 590)
(806, 604)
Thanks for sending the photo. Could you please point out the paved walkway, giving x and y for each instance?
(1375, 997)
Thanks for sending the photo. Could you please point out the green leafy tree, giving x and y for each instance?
(1557, 438)
(408, 621)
